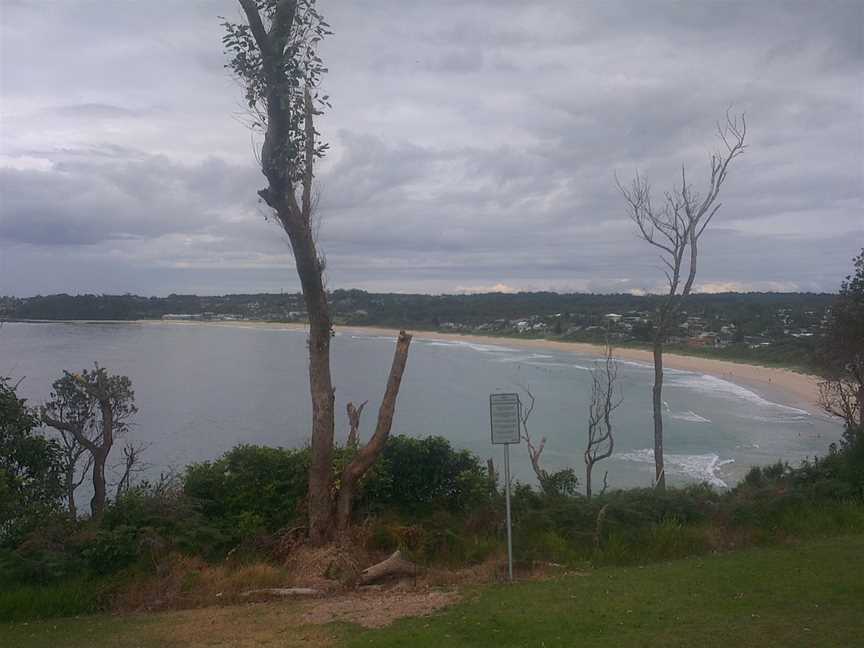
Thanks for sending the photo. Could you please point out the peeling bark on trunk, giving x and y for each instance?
(100, 456)
(354, 413)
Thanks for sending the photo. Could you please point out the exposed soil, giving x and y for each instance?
(378, 609)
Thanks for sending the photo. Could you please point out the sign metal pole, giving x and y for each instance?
(509, 525)
(504, 414)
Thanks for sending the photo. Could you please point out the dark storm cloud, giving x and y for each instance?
(474, 144)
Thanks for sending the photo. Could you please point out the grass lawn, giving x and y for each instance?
(811, 594)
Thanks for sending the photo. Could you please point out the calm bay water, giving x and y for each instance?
(201, 389)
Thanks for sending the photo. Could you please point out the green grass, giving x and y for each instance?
(808, 594)
(67, 598)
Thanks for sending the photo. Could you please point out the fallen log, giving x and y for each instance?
(395, 565)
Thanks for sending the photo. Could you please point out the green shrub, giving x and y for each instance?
(164, 519)
(250, 487)
(415, 477)
(42, 556)
(111, 550)
(31, 469)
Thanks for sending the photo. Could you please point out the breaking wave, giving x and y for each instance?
(690, 416)
(712, 386)
(700, 468)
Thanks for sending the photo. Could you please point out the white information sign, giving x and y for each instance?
(504, 413)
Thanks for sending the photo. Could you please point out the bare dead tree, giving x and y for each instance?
(675, 227)
(368, 454)
(131, 465)
(606, 397)
(93, 407)
(841, 355)
(534, 451)
(842, 397)
(354, 413)
(275, 56)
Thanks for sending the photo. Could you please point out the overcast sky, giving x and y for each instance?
(474, 145)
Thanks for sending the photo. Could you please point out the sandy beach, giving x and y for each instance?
(790, 387)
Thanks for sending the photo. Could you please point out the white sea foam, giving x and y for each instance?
(713, 386)
(632, 363)
(534, 363)
(702, 468)
(485, 348)
(689, 415)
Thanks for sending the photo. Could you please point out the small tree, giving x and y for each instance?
(534, 451)
(559, 483)
(93, 407)
(274, 55)
(30, 465)
(76, 410)
(842, 354)
(606, 397)
(675, 227)
(132, 465)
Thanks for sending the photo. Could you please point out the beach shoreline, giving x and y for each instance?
(784, 385)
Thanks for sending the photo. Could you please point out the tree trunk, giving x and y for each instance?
(395, 565)
(100, 456)
(588, 468)
(657, 393)
(97, 502)
(70, 492)
(320, 468)
(369, 453)
(354, 414)
(310, 270)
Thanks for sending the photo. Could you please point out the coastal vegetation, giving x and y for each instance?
(216, 530)
(801, 594)
(329, 518)
(775, 329)
(238, 522)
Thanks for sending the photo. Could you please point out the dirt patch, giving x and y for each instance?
(257, 625)
(378, 609)
(325, 568)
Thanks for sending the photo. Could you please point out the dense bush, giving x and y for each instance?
(30, 468)
(254, 489)
(251, 488)
(435, 503)
(416, 477)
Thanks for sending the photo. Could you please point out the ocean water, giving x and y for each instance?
(201, 389)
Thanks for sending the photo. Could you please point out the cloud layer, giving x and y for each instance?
(474, 145)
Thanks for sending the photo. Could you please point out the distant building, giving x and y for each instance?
(702, 340)
(181, 316)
